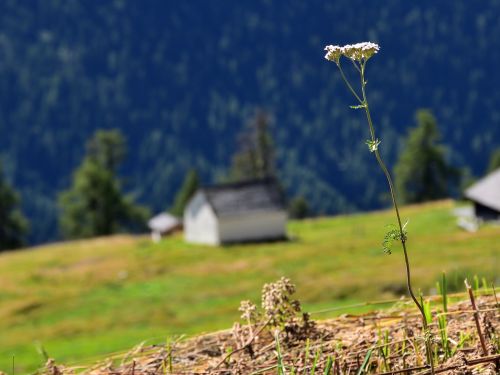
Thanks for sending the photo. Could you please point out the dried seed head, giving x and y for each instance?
(248, 309)
(277, 303)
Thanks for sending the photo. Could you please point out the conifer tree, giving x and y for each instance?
(187, 190)
(421, 173)
(255, 157)
(13, 225)
(95, 205)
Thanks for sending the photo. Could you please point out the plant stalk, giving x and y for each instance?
(348, 84)
(396, 209)
(476, 317)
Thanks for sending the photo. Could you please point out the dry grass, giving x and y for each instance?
(393, 338)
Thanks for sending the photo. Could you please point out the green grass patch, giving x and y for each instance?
(83, 300)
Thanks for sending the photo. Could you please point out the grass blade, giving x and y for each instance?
(444, 293)
(315, 363)
(362, 369)
(281, 365)
(328, 367)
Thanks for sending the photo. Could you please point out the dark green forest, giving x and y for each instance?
(181, 78)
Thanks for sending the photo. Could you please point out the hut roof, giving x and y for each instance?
(486, 191)
(163, 222)
(245, 197)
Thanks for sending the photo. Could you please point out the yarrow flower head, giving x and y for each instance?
(357, 52)
(333, 53)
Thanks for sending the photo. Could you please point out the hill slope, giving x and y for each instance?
(87, 298)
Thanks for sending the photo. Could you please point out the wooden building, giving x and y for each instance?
(485, 195)
(240, 212)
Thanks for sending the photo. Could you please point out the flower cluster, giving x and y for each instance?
(333, 53)
(356, 52)
(248, 310)
(279, 311)
(277, 303)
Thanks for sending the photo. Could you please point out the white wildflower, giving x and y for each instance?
(333, 53)
(357, 52)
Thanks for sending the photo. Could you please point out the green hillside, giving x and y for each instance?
(82, 300)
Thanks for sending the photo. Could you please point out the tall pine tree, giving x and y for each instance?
(13, 225)
(95, 205)
(421, 172)
(255, 157)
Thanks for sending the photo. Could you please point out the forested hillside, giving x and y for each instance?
(181, 78)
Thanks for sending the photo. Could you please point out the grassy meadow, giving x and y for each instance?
(83, 300)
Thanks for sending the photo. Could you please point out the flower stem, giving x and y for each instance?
(391, 188)
(348, 84)
(396, 209)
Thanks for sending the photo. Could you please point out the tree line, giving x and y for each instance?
(95, 204)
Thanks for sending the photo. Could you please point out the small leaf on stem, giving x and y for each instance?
(373, 145)
(361, 106)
